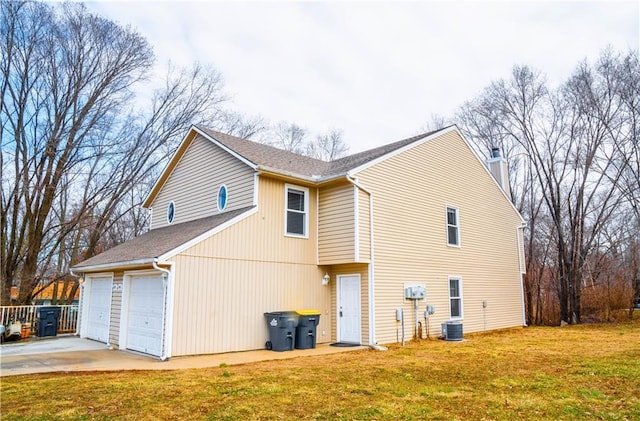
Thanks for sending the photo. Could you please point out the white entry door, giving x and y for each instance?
(99, 309)
(349, 319)
(146, 315)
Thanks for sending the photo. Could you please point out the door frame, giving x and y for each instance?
(86, 300)
(339, 280)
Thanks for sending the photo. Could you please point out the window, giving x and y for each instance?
(222, 197)
(171, 212)
(453, 228)
(455, 298)
(296, 218)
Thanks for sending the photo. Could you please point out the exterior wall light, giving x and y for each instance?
(325, 279)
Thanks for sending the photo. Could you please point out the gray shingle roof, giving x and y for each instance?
(159, 241)
(289, 162)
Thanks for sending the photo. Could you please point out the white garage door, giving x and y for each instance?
(99, 309)
(146, 310)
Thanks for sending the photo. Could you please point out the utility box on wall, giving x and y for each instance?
(415, 293)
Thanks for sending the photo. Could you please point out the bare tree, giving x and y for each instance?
(327, 147)
(575, 143)
(75, 143)
(288, 136)
(240, 125)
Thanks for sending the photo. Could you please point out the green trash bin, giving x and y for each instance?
(306, 330)
(282, 330)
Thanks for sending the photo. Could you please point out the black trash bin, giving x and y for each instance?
(47, 321)
(306, 331)
(282, 330)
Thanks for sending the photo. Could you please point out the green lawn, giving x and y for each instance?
(577, 372)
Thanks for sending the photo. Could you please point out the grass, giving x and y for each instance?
(577, 372)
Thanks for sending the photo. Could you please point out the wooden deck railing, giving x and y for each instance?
(67, 322)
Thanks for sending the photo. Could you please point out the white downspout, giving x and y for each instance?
(520, 237)
(165, 283)
(371, 272)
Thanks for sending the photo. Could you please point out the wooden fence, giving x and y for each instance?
(67, 322)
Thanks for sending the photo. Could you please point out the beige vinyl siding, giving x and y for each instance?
(116, 308)
(351, 269)
(226, 283)
(336, 225)
(193, 185)
(364, 227)
(411, 192)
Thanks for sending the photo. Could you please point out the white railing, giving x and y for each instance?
(67, 321)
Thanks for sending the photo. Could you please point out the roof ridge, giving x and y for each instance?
(280, 159)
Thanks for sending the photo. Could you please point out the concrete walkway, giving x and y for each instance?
(70, 353)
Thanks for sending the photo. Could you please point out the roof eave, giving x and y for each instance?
(115, 265)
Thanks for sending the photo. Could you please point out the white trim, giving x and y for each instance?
(457, 225)
(317, 226)
(398, 151)
(444, 131)
(169, 206)
(224, 147)
(170, 253)
(305, 190)
(459, 279)
(174, 158)
(256, 184)
(338, 324)
(371, 267)
(161, 259)
(356, 225)
(226, 197)
(119, 265)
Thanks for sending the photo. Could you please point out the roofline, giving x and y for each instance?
(114, 265)
(182, 247)
(224, 147)
(395, 152)
(188, 138)
(453, 128)
(146, 203)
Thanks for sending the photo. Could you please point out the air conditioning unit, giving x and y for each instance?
(452, 331)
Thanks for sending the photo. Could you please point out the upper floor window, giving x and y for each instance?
(222, 198)
(453, 227)
(297, 213)
(455, 298)
(171, 212)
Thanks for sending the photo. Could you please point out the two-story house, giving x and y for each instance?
(240, 228)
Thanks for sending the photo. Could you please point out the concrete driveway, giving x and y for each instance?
(70, 353)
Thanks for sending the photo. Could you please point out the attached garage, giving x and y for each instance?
(145, 314)
(99, 309)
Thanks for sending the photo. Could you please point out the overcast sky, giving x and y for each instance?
(377, 70)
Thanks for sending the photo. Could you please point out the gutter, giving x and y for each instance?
(371, 271)
(106, 266)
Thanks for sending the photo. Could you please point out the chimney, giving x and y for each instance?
(498, 167)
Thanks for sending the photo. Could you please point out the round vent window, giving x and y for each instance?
(171, 211)
(222, 197)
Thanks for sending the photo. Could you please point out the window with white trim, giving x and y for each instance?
(222, 198)
(171, 212)
(455, 298)
(453, 227)
(297, 213)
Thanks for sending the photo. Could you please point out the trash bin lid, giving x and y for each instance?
(308, 312)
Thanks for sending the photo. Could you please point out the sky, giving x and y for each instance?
(379, 71)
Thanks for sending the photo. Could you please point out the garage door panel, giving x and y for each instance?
(99, 309)
(146, 310)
